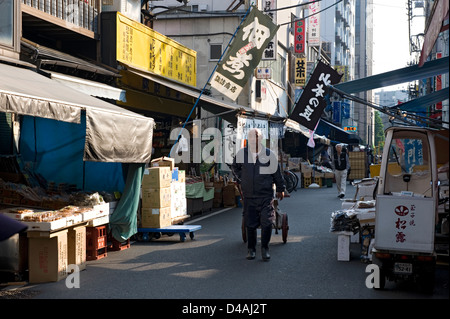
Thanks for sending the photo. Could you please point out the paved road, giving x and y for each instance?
(213, 265)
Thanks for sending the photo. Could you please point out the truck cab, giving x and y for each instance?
(409, 195)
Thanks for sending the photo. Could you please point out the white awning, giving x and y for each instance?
(92, 88)
(113, 134)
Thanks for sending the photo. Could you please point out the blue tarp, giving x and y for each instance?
(55, 149)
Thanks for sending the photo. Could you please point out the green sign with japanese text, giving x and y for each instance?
(244, 54)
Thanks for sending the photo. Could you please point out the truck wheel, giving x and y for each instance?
(426, 282)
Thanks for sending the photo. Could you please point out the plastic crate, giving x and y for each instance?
(306, 181)
(96, 237)
(115, 245)
(96, 254)
(328, 182)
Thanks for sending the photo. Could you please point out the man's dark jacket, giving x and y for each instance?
(256, 179)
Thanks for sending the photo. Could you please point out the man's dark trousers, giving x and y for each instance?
(258, 211)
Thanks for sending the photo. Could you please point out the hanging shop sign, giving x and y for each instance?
(271, 49)
(244, 54)
(299, 36)
(314, 24)
(300, 71)
(245, 124)
(146, 49)
(263, 73)
(310, 105)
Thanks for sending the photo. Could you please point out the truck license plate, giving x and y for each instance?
(403, 268)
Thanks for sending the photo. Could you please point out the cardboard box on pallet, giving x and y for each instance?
(76, 246)
(163, 162)
(156, 197)
(155, 217)
(47, 256)
(157, 177)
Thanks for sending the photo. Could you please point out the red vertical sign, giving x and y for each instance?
(438, 83)
(299, 36)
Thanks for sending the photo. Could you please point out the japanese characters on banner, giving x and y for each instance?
(405, 223)
(310, 105)
(245, 124)
(313, 24)
(270, 52)
(299, 36)
(244, 54)
(300, 72)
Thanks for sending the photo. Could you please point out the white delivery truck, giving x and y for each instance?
(407, 204)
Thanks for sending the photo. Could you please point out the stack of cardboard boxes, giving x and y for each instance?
(358, 165)
(156, 192)
(163, 194)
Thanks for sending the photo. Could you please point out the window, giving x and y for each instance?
(215, 52)
(409, 165)
(6, 22)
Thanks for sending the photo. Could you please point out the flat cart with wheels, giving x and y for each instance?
(146, 234)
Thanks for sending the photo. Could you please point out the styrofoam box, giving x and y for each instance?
(343, 248)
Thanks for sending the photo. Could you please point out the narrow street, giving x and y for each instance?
(213, 265)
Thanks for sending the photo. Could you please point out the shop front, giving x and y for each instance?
(73, 154)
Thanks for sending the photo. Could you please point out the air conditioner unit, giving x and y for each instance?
(203, 7)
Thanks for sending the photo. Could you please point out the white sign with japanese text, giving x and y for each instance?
(404, 223)
(314, 24)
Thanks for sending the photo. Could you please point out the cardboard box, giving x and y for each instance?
(76, 247)
(163, 161)
(47, 256)
(307, 174)
(157, 177)
(156, 197)
(328, 175)
(305, 167)
(156, 217)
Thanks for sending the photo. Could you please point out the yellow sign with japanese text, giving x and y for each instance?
(300, 72)
(147, 49)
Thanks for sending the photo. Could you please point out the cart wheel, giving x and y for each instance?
(244, 231)
(191, 235)
(157, 235)
(145, 237)
(139, 237)
(182, 237)
(284, 227)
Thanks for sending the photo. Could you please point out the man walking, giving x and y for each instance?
(341, 165)
(257, 169)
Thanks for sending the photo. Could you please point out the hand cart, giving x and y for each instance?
(146, 234)
(281, 223)
(281, 220)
